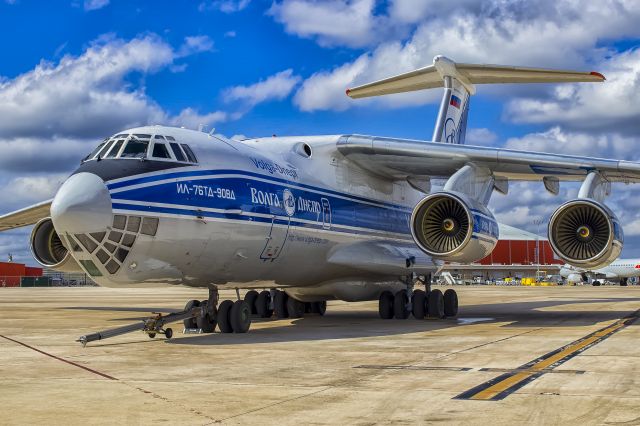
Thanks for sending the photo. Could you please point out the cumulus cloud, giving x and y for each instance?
(481, 136)
(225, 6)
(340, 22)
(94, 4)
(561, 141)
(560, 33)
(275, 87)
(613, 104)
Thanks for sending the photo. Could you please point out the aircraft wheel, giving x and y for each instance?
(152, 335)
(251, 298)
(295, 308)
(168, 333)
(319, 307)
(400, 302)
(190, 322)
(280, 304)
(385, 305)
(435, 304)
(240, 316)
(596, 283)
(206, 323)
(623, 282)
(419, 304)
(223, 317)
(450, 303)
(262, 304)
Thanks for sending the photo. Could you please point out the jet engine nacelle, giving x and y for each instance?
(48, 250)
(454, 227)
(585, 233)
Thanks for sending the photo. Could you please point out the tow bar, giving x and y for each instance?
(152, 326)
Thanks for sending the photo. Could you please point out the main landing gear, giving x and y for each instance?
(276, 302)
(419, 303)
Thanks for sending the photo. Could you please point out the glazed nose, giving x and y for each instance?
(82, 204)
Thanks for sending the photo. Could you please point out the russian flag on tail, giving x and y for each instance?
(455, 101)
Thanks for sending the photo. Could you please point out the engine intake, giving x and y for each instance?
(585, 233)
(48, 250)
(453, 227)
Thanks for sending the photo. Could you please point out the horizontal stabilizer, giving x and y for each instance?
(433, 76)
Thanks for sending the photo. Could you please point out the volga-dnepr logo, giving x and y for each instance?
(289, 202)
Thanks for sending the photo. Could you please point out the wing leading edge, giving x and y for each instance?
(24, 217)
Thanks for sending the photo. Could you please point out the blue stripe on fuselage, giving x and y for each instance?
(201, 173)
(256, 197)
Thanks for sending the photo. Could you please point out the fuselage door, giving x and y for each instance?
(326, 214)
(276, 239)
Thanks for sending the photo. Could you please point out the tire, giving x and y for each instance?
(295, 308)
(206, 324)
(319, 307)
(419, 304)
(280, 304)
(152, 335)
(262, 304)
(400, 302)
(251, 298)
(435, 304)
(223, 317)
(168, 333)
(240, 316)
(385, 305)
(623, 282)
(450, 303)
(596, 283)
(190, 322)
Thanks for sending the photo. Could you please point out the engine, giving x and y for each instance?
(453, 227)
(48, 250)
(585, 233)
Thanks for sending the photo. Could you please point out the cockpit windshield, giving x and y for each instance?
(143, 147)
(135, 149)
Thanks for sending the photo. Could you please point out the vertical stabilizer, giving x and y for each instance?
(451, 124)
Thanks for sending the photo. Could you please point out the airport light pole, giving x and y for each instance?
(537, 222)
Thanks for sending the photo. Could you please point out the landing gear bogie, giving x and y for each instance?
(432, 304)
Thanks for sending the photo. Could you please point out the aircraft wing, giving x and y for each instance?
(383, 257)
(399, 159)
(24, 217)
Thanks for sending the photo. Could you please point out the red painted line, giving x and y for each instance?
(106, 376)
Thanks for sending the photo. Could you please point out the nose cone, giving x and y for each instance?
(82, 204)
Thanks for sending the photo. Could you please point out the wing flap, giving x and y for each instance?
(26, 216)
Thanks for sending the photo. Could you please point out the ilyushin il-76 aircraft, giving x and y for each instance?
(346, 217)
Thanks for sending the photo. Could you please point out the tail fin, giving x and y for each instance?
(458, 81)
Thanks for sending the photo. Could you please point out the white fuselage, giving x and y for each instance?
(248, 212)
(621, 268)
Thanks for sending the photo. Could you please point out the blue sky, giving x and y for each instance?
(76, 71)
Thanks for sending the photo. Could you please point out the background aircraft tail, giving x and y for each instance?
(458, 81)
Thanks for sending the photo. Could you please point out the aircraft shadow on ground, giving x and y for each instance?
(345, 324)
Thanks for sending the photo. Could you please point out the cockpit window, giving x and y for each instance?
(170, 138)
(159, 137)
(95, 151)
(177, 152)
(160, 150)
(114, 150)
(135, 149)
(142, 136)
(190, 154)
